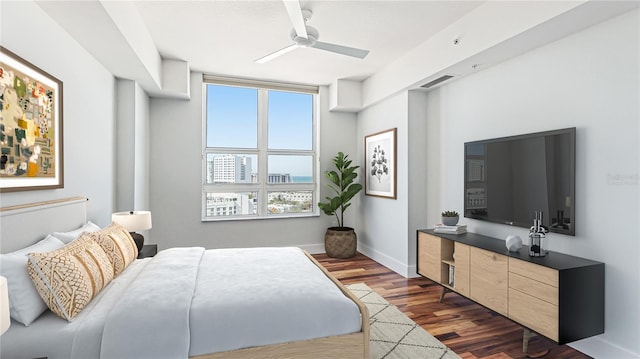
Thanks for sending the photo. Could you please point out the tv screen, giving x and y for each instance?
(508, 179)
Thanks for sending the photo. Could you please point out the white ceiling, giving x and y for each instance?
(134, 38)
(225, 37)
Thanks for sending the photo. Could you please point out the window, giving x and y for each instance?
(259, 150)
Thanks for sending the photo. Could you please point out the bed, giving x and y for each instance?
(191, 302)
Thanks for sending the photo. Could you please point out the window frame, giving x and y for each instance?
(262, 187)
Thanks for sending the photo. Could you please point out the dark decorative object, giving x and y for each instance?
(134, 221)
(139, 239)
(340, 242)
(537, 235)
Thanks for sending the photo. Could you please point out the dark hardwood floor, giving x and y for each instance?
(469, 329)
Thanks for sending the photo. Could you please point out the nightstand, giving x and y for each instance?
(148, 250)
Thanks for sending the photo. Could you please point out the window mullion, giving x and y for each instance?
(263, 110)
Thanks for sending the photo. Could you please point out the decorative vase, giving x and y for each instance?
(340, 242)
(513, 243)
(138, 239)
(450, 221)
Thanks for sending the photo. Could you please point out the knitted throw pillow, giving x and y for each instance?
(69, 277)
(118, 244)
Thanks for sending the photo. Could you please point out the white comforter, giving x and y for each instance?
(188, 301)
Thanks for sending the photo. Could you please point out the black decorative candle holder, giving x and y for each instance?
(537, 237)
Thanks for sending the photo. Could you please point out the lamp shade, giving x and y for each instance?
(133, 220)
(5, 319)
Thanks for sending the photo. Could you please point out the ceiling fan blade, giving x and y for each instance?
(295, 15)
(272, 56)
(344, 50)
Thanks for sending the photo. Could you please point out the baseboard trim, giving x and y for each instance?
(385, 260)
(598, 347)
(413, 271)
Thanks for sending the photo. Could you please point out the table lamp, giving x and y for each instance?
(134, 221)
(5, 319)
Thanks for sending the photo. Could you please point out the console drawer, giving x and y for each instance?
(531, 270)
(533, 288)
(534, 313)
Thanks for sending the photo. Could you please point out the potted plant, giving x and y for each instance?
(450, 218)
(340, 241)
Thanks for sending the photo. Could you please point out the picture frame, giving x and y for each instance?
(380, 164)
(31, 141)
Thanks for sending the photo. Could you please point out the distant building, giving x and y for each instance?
(230, 169)
(230, 204)
(291, 196)
(279, 178)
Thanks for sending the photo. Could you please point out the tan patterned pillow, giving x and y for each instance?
(118, 244)
(69, 277)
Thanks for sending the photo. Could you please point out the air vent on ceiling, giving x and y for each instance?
(440, 79)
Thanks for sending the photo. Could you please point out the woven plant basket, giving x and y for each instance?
(340, 242)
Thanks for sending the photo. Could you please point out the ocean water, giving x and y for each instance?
(301, 179)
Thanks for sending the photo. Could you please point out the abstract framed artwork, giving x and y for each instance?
(30, 126)
(380, 160)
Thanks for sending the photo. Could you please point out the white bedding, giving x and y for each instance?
(241, 298)
(53, 337)
(258, 296)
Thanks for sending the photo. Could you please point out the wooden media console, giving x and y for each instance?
(558, 296)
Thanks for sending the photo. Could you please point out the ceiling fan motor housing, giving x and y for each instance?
(312, 37)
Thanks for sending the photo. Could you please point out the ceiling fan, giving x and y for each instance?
(304, 35)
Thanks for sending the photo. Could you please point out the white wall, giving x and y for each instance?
(515, 28)
(384, 222)
(388, 227)
(418, 174)
(88, 107)
(590, 80)
(176, 180)
(141, 181)
(132, 147)
(125, 149)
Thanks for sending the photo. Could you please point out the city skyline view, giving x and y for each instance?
(232, 122)
(242, 124)
(218, 170)
(237, 169)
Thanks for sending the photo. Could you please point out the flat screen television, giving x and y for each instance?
(508, 179)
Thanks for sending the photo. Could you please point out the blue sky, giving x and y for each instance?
(232, 122)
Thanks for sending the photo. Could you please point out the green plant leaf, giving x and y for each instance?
(334, 177)
(342, 183)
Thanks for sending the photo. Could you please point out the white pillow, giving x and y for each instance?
(67, 237)
(25, 304)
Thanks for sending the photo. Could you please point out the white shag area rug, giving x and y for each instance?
(393, 335)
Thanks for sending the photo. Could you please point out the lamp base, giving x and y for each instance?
(139, 239)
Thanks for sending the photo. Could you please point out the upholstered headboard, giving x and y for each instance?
(23, 225)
